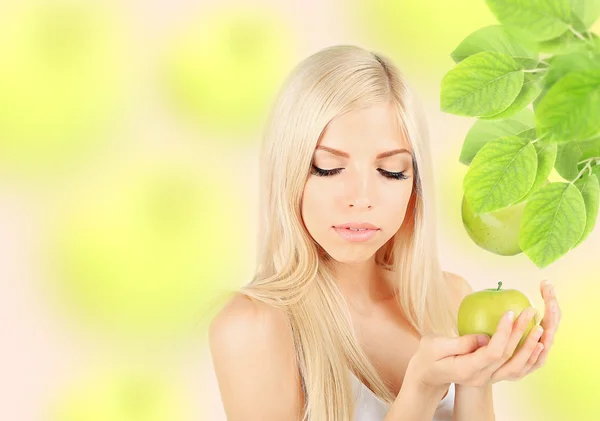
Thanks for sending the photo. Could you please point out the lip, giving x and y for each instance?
(344, 231)
(356, 236)
(357, 225)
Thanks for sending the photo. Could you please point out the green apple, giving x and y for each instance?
(498, 231)
(481, 311)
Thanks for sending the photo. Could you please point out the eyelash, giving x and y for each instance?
(328, 173)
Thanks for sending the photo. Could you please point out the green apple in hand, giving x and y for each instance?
(481, 311)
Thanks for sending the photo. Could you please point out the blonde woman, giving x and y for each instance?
(348, 315)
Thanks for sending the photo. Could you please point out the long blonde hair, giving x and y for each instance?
(294, 274)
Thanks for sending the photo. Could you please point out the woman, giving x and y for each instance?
(342, 324)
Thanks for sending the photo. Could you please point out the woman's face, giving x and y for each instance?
(358, 184)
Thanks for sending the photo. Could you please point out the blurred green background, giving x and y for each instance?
(129, 137)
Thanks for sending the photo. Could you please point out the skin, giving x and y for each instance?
(525, 362)
(359, 192)
(495, 361)
(248, 335)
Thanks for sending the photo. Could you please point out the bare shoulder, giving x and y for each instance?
(458, 286)
(252, 350)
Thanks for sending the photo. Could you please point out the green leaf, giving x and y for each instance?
(570, 109)
(542, 19)
(596, 170)
(561, 65)
(553, 221)
(588, 11)
(590, 190)
(500, 39)
(483, 84)
(595, 164)
(570, 154)
(577, 23)
(529, 91)
(501, 173)
(567, 43)
(484, 131)
(546, 156)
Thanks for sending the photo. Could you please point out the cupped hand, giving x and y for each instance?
(533, 355)
(464, 360)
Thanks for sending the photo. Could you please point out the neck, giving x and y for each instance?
(364, 283)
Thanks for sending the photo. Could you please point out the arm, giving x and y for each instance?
(252, 350)
(470, 402)
(415, 402)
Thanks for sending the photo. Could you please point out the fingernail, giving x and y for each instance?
(540, 348)
(539, 331)
(482, 339)
(511, 316)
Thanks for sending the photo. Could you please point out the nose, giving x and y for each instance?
(361, 204)
(360, 191)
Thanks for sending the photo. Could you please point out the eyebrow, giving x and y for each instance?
(347, 155)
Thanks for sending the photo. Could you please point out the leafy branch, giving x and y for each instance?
(512, 148)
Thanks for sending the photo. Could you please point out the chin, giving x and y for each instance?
(351, 259)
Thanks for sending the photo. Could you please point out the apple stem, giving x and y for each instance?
(499, 285)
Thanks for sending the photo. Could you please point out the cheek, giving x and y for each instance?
(397, 200)
(312, 201)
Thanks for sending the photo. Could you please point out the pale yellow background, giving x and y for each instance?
(45, 349)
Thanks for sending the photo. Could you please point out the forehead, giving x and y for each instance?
(367, 130)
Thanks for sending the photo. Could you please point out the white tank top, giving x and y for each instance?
(370, 408)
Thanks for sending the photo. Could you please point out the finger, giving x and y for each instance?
(515, 365)
(552, 313)
(458, 346)
(550, 322)
(541, 359)
(529, 366)
(494, 351)
(519, 329)
(548, 337)
(552, 316)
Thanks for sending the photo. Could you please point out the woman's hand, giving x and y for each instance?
(533, 355)
(468, 360)
(440, 361)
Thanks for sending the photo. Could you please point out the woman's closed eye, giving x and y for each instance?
(328, 173)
